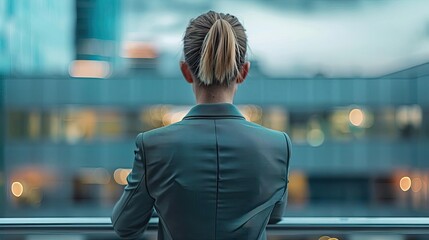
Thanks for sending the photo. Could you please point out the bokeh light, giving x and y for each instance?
(120, 175)
(405, 184)
(17, 189)
(356, 117)
(315, 137)
(324, 238)
(94, 176)
(416, 184)
(89, 69)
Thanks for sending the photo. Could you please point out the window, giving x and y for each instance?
(319, 73)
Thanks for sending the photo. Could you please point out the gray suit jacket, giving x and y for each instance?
(212, 175)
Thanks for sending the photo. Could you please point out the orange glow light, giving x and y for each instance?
(135, 49)
(17, 189)
(416, 185)
(89, 69)
(405, 184)
(120, 175)
(324, 238)
(356, 117)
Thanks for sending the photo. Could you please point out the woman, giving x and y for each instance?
(212, 175)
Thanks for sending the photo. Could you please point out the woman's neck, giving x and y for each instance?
(213, 98)
(214, 95)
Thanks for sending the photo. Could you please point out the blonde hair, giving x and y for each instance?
(215, 48)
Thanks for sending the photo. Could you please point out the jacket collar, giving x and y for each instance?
(214, 110)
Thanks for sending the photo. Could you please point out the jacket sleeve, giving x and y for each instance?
(132, 212)
(277, 213)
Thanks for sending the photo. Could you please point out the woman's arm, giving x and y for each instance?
(132, 212)
(277, 213)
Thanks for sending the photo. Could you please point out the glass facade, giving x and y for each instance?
(353, 158)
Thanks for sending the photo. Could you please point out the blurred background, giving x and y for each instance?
(347, 80)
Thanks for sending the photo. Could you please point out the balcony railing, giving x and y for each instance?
(288, 226)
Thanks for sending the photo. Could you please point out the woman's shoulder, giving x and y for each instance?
(265, 129)
(161, 131)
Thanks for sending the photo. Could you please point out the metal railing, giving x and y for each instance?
(288, 226)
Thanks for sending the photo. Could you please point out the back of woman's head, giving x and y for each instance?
(215, 48)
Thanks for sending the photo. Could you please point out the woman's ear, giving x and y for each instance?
(243, 72)
(186, 72)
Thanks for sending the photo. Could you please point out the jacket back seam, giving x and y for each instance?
(217, 178)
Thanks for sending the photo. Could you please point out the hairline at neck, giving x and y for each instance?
(214, 93)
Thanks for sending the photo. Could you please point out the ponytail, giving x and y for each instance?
(215, 47)
(218, 54)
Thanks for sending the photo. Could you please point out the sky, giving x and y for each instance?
(371, 38)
